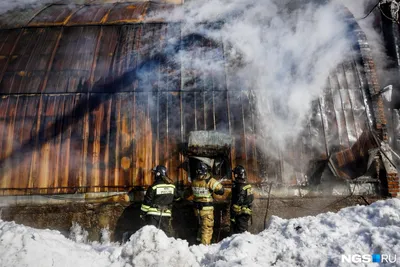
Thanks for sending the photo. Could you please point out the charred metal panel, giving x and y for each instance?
(107, 53)
(189, 117)
(123, 48)
(221, 111)
(90, 14)
(352, 162)
(316, 147)
(150, 73)
(3, 133)
(236, 115)
(161, 6)
(48, 151)
(68, 162)
(356, 98)
(18, 137)
(395, 134)
(127, 12)
(8, 139)
(54, 15)
(8, 42)
(144, 141)
(346, 106)
(127, 140)
(29, 60)
(85, 13)
(77, 140)
(330, 124)
(209, 119)
(340, 116)
(18, 18)
(199, 111)
(175, 138)
(73, 60)
(99, 141)
(163, 127)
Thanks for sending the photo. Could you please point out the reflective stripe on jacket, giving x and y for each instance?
(158, 199)
(203, 189)
(242, 199)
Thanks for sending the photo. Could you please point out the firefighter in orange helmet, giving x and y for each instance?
(203, 187)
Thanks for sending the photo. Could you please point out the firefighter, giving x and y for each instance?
(203, 187)
(242, 198)
(157, 204)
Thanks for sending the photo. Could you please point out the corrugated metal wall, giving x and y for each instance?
(77, 112)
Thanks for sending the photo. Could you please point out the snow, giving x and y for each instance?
(309, 241)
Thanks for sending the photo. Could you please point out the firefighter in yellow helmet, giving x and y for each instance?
(203, 187)
(157, 204)
(242, 199)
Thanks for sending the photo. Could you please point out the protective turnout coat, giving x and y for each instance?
(157, 205)
(242, 199)
(203, 205)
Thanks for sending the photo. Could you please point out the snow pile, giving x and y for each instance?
(77, 233)
(314, 241)
(105, 235)
(151, 247)
(307, 241)
(24, 246)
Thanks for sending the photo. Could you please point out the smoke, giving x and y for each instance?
(281, 51)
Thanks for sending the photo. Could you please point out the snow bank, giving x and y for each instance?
(314, 241)
(307, 241)
(151, 247)
(24, 246)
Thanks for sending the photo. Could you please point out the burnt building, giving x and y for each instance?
(90, 102)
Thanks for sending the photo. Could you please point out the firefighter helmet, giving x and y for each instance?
(160, 172)
(201, 169)
(240, 173)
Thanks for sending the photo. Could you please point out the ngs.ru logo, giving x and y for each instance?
(379, 258)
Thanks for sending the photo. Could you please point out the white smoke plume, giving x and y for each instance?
(282, 50)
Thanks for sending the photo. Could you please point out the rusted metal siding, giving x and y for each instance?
(54, 15)
(76, 113)
(59, 14)
(90, 14)
(115, 145)
(73, 59)
(25, 70)
(127, 12)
